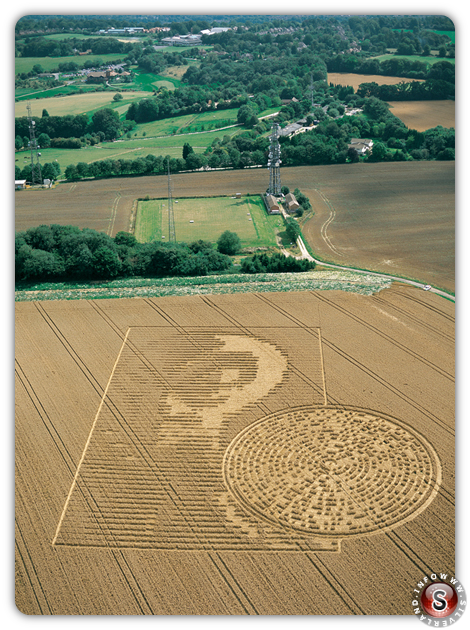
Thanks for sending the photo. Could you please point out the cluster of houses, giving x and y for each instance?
(102, 76)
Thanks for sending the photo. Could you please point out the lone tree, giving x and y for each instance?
(229, 243)
(187, 150)
(292, 229)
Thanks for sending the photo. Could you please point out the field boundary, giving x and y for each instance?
(82, 458)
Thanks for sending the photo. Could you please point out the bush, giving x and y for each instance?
(229, 243)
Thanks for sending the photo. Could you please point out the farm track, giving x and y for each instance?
(324, 227)
(149, 527)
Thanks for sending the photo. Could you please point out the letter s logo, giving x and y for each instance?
(439, 603)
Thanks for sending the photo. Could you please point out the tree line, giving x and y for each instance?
(42, 47)
(275, 263)
(105, 121)
(326, 144)
(429, 90)
(65, 252)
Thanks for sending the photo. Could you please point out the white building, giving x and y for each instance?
(215, 30)
(361, 145)
(182, 40)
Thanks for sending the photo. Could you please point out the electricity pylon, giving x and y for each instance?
(35, 166)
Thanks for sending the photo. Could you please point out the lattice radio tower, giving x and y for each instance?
(274, 162)
(171, 217)
(35, 166)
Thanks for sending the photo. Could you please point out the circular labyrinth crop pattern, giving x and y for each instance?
(332, 471)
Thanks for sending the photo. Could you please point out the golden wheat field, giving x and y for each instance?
(249, 454)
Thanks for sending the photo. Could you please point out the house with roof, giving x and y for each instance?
(292, 205)
(362, 146)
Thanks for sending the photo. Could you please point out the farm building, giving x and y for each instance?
(272, 204)
(20, 184)
(96, 77)
(292, 203)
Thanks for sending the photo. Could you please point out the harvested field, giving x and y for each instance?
(281, 453)
(391, 217)
(76, 103)
(393, 220)
(422, 115)
(355, 80)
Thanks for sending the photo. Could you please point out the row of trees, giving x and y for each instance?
(49, 170)
(104, 120)
(42, 47)
(431, 89)
(326, 144)
(394, 67)
(65, 252)
(57, 252)
(275, 263)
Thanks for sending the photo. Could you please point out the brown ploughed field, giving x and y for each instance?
(271, 454)
(393, 218)
(396, 218)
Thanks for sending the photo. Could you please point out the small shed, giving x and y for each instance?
(20, 184)
(292, 203)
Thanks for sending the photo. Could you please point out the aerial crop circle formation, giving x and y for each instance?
(331, 471)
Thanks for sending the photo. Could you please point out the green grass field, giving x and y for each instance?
(25, 64)
(160, 137)
(75, 104)
(207, 218)
(429, 60)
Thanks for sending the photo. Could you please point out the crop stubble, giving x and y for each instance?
(140, 423)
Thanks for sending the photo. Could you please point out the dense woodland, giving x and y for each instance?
(64, 252)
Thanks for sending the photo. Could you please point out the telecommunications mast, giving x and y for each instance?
(274, 162)
(35, 166)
